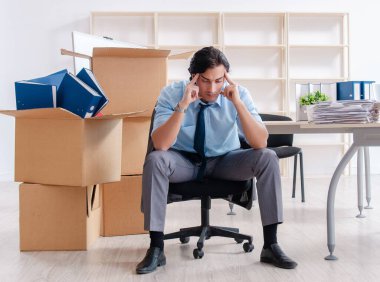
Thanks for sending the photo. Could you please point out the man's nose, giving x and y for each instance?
(213, 87)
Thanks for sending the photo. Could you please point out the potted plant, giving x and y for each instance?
(309, 99)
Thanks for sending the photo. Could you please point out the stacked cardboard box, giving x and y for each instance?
(140, 75)
(61, 158)
(132, 79)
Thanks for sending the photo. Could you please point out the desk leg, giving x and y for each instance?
(368, 187)
(359, 177)
(331, 200)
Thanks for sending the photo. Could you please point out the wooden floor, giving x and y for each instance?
(302, 236)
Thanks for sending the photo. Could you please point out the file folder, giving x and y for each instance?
(77, 97)
(88, 77)
(348, 90)
(39, 92)
(31, 95)
(366, 90)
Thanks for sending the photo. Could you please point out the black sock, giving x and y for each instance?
(156, 239)
(270, 235)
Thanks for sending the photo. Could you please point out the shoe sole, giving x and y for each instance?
(161, 263)
(269, 261)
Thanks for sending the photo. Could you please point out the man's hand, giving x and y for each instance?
(191, 93)
(231, 92)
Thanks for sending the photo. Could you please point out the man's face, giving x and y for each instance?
(210, 83)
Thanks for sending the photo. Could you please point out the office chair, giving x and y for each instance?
(282, 144)
(238, 192)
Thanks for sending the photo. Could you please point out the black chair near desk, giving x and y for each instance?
(282, 144)
(240, 192)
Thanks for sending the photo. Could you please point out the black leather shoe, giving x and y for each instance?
(154, 257)
(274, 255)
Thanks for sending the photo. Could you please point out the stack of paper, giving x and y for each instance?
(346, 111)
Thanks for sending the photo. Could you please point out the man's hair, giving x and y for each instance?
(207, 57)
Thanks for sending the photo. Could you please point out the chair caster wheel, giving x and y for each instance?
(198, 254)
(184, 240)
(248, 247)
(239, 241)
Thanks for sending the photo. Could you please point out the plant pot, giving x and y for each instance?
(301, 113)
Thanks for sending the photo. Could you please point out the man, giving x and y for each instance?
(228, 111)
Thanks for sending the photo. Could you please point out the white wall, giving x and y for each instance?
(32, 33)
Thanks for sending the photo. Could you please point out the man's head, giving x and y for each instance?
(211, 64)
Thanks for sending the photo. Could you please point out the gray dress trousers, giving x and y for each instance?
(164, 167)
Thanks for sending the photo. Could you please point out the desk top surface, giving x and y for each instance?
(282, 127)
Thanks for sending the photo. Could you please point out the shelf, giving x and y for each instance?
(268, 53)
(187, 29)
(258, 78)
(318, 46)
(320, 79)
(254, 46)
(186, 47)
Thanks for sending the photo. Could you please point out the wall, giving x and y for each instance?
(32, 33)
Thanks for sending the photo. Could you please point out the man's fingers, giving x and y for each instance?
(195, 78)
(228, 78)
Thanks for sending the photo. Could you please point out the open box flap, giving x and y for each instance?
(129, 52)
(122, 115)
(59, 113)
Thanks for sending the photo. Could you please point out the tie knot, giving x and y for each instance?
(204, 106)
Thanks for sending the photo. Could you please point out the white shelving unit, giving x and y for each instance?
(269, 53)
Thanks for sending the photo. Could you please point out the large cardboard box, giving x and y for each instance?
(121, 207)
(132, 78)
(59, 217)
(135, 142)
(54, 146)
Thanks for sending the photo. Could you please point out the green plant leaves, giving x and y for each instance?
(313, 98)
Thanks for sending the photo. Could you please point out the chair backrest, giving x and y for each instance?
(277, 140)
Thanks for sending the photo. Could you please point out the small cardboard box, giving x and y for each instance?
(135, 142)
(60, 218)
(132, 78)
(121, 207)
(56, 147)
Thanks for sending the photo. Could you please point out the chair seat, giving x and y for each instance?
(286, 151)
(215, 188)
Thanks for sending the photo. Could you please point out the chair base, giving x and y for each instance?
(206, 232)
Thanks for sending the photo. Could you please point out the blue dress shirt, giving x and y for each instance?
(222, 122)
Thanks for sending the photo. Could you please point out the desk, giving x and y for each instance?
(364, 135)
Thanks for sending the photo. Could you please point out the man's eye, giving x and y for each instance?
(219, 81)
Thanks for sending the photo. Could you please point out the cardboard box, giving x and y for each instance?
(135, 142)
(132, 78)
(59, 217)
(54, 146)
(121, 207)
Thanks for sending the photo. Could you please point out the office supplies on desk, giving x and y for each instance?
(348, 90)
(366, 90)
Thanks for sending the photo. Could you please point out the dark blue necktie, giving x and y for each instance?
(199, 139)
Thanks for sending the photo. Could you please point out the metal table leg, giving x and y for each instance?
(368, 187)
(360, 172)
(331, 200)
